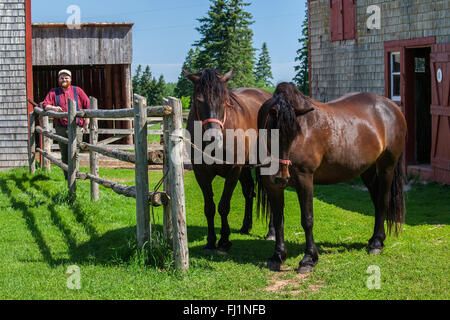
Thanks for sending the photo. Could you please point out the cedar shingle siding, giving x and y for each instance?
(340, 67)
(13, 93)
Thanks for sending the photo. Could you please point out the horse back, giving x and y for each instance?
(350, 134)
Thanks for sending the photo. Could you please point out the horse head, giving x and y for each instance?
(210, 99)
(284, 107)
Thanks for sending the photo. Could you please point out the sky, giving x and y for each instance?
(164, 31)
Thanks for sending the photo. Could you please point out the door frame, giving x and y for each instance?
(407, 102)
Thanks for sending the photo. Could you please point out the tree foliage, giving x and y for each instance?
(301, 79)
(144, 84)
(184, 87)
(226, 41)
(263, 70)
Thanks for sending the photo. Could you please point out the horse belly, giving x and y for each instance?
(349, 159)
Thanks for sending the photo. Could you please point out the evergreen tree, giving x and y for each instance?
(136, 80)
(301, 79)
(184, 87)
(263, 71)
(144, 84)
(226, 41)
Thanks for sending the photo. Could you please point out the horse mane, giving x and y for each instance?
(285, 97)
(212, 88)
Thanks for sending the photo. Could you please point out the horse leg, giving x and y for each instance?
(370, 179)
(271, 233)
(385, 175)
(305, 192)
(248, 190)
(205, 182)
(224, 207)
(276, 202)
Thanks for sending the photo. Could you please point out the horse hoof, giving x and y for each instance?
(375, 251)
(209, 251)
(305, 269)
(221, 252)
(273, 265)
(225, 247)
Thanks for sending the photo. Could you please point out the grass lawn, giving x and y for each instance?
(41, 236)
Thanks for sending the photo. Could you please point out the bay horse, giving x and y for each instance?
(219, 108)
(359, 134)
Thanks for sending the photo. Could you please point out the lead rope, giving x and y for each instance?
(217, 160)
(158, 185)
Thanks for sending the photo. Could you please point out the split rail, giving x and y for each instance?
(172, 197)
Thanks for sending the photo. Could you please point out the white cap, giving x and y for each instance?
(64, 71)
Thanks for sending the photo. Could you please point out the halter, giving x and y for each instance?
(213, 120)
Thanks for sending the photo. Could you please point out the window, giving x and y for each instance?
(343, 19)
(395, 76)
(419, 65)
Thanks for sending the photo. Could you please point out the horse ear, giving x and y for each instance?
(192, 77)
(227, 76)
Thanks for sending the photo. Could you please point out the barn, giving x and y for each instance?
(15, 81)
(396, 48)
(99, 55)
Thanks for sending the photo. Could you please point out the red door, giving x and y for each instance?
(440, 112)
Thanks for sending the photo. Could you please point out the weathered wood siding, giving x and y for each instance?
(13, 93)
(340, 67)
(92, 44)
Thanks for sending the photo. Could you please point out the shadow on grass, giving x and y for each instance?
(425, 204)
(116, 247)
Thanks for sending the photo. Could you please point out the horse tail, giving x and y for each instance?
(262, 206)
(396, 211)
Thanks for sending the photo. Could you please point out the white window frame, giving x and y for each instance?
(394, 98)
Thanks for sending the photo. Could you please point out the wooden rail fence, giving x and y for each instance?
(172, 197)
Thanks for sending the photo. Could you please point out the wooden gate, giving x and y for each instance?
(440, 112)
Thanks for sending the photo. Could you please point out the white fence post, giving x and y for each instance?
(176, 185)
(72, 150)
(141, 173)
(93, 156)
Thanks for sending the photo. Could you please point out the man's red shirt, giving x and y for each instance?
(83, 102)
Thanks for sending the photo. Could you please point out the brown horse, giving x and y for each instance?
(359, 134)
(218, 108)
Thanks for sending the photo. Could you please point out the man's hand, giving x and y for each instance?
(53, 108)
(86, 125)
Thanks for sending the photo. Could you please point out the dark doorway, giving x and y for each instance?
(422, 98)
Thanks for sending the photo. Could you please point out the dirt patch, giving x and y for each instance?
(283, 282)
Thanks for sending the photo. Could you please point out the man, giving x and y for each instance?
(57, 100)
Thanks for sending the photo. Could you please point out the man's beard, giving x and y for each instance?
(65, 84)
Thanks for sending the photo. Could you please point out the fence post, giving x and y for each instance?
(93, 156)
(167, 215)
(141, 174)
(176, 185)
(46, 144)
(32, 143)
(72, 150)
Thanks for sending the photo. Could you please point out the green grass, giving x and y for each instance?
(41, 235)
